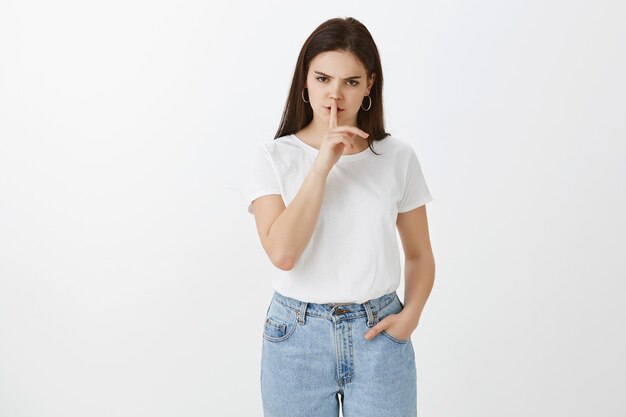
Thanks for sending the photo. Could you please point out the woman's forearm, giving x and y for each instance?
(419, 277)
(291, 232)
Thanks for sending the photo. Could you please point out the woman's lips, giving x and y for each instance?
(338, 109)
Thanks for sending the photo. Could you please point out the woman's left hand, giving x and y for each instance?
(397, 325)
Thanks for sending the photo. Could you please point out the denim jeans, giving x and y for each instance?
(314, 356)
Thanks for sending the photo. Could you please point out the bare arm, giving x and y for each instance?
(285, 238)
(285, 232)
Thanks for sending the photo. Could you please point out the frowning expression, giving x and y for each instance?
(340, 76)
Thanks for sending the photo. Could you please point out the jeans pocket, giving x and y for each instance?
(393, 307)
(395, 340)
(280, 323)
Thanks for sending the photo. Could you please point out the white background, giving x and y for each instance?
(132, 280)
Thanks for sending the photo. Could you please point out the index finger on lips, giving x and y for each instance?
(332, 120)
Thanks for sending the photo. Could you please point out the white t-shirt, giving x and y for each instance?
(353, 255)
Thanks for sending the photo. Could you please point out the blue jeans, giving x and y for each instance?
(315, 355)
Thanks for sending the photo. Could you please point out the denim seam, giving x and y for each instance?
(393, 339)
(282, 338)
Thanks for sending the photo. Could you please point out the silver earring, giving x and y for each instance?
(368, 107)
(303, 96)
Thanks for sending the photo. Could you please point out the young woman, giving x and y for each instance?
(328, 194)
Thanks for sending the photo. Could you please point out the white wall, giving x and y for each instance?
(132, 281)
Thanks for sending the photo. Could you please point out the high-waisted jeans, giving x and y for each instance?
(315, 355)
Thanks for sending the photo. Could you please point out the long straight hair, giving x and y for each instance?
(337, 34)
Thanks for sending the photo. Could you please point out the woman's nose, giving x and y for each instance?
(335, 92)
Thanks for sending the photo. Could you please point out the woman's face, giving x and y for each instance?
(340, 76)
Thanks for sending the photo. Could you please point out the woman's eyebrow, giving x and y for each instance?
(326, 75)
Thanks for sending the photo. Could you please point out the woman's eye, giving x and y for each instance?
(350, 81)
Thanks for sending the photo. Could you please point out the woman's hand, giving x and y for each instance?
(335, 140)
(400, 326)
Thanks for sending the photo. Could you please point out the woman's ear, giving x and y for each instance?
(371, 82)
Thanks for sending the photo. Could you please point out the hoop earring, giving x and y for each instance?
(303, 96)
(370, 106)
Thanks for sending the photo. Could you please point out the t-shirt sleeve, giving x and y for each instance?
(416, 191)
(262, 178)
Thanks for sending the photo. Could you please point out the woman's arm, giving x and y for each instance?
(285, 232)
(419, 264)
(419, 275)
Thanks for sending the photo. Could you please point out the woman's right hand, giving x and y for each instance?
(335, 140)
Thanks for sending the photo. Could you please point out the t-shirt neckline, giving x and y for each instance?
(353, 157)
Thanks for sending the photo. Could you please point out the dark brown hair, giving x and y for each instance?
(337, 34)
